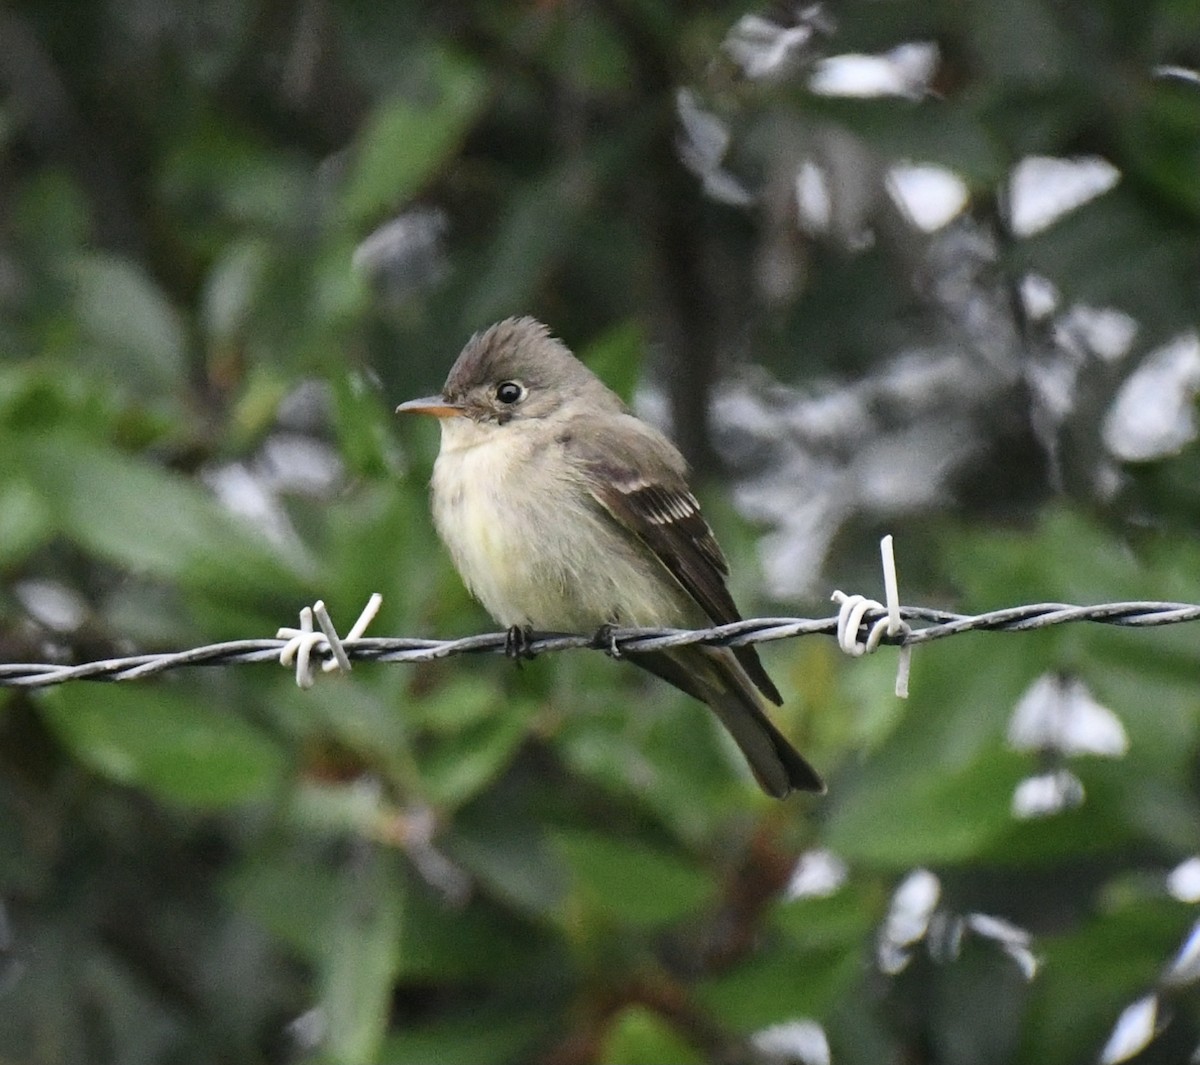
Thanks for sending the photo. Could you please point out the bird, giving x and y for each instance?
(564, 512)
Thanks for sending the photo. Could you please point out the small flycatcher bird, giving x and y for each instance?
(563, 512)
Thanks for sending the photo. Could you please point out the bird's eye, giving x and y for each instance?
(510, 391)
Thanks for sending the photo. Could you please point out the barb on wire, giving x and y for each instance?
(856, 638)
(934, 625)
(302, 642)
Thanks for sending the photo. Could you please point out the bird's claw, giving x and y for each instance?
(518, 643)
(606, 640)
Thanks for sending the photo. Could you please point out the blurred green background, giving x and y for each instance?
(879, 265)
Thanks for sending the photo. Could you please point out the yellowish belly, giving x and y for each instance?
(535, 549)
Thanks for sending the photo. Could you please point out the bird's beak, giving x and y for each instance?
(435, 406)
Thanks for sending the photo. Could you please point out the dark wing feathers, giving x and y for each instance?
(668, 519)
(652, 501)
(678, 511)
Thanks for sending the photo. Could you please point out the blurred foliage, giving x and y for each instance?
(233, 235)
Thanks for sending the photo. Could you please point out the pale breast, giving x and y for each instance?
(534, 547)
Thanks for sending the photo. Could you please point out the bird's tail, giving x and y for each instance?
(714, 676)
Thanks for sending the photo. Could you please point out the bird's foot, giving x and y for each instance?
(518, 643)
(606, 640)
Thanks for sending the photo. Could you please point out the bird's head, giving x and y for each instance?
(514, 371)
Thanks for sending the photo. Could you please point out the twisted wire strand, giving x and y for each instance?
(935, 625)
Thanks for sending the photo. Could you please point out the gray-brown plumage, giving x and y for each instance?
(564, 512)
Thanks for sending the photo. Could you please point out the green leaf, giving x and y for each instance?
(460, 766)
(178, 747)
(542, 219)
(778, 985)
(616, 358)
(236, 176)
(360, 966)
(365, 429)
(673, 758)
(233, 289)
(459, 704)
(467, 1037)
(339, 808)
(51, 213)
(501, 843)
(1087, 978)
(131, 332)
(630, 882)
(152, 522)
(640, 1037)
(896, 817)
(1163, 143)
(482, 941)
(406, 140)
(1115, 251)
(837, 922)
(938, 132)
(1063, 558)
(24, 521)
(289, 894)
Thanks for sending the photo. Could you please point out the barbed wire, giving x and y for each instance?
(934, 625)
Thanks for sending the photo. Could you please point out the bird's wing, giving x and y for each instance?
(640, 483)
